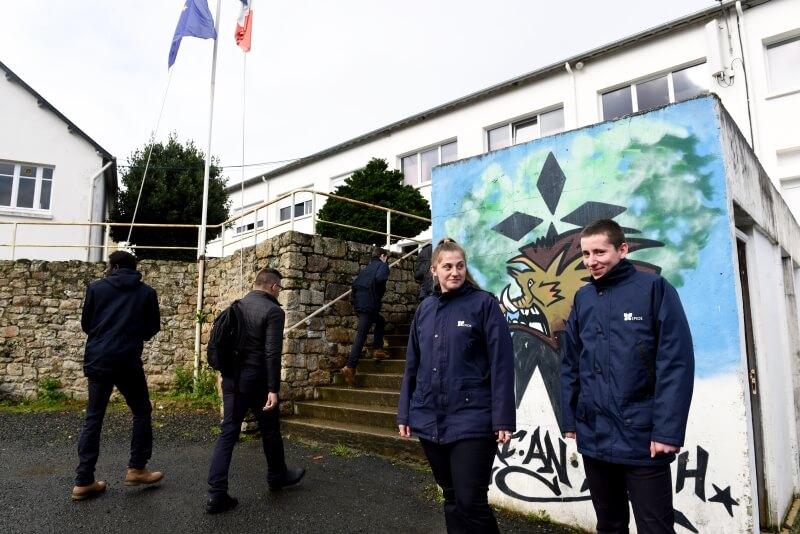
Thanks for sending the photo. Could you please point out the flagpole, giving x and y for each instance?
(201, 249)
(201, 238)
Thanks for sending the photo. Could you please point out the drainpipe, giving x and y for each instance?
(751, 115)
(91, 209)
(574, 93)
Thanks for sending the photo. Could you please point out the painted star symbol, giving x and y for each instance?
(724, 498)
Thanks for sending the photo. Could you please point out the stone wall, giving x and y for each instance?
(40, 331)
(40, 306)
(316, 270)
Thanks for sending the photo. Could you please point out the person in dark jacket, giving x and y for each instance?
(369, 287)
(626, 382)
(120, 313)
(457, 394)
(254, 385)
(422, 272)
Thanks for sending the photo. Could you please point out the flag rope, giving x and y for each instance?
(241, 209)
(149, 153)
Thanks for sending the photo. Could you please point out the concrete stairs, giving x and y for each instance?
(362, 417)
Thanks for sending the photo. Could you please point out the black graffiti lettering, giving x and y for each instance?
(505, 452)
(698, 474)
(683, 521)
(500, 480)
(551, 461)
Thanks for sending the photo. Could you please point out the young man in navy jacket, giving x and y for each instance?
(626, 382)
(120, 313)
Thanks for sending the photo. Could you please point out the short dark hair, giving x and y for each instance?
(267, 277)
(122, 260)
(611, 229)
(377, 252)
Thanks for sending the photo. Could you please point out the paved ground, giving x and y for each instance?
(339, 494)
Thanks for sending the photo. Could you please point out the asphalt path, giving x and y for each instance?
(340, 493)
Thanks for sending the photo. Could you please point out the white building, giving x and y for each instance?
(746, 52)
(50, 172)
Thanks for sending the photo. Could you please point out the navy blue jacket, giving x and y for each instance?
(120, 313)
(628, 369)
(459, 377)
(369, 287)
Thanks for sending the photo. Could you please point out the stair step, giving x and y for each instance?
(398, 352)
(368, 397)
(360, 414)
(396, 340)
(394, 366)
(372, 439)
(373, 380)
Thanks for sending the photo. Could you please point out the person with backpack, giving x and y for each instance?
(627, 377)
(250, 364)
(120, 313)
(368, 288)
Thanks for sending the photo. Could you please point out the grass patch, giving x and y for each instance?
(343, 451)
(198, 394)
(433, 492)
(41, 406)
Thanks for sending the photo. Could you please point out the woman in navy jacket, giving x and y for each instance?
(457, 395)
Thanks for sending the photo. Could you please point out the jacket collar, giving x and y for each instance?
(265, 295)
(465, 289)
(620, 272)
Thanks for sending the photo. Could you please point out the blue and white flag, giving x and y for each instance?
(195, 21)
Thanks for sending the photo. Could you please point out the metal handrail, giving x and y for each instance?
(346, 293)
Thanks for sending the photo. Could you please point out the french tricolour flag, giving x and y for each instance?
(244, 26)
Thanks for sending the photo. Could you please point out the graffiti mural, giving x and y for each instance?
(519, 213)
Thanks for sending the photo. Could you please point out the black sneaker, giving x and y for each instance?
(221, 504)
(293, 476)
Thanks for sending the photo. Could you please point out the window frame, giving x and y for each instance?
(511, 125)
(644, 79)
(418, 154)
(306, 204)
(772, 42)
(39, 179)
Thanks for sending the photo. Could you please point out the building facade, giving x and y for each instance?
(50, 172)
(746, 53)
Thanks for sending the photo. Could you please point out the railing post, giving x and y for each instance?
(388, 229)
(291, 212)
(222, 242)
(314, 213)
(255, 231)
(13, 240)
(106, 239)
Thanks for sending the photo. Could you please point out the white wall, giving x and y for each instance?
(32, 134)
(775, 117)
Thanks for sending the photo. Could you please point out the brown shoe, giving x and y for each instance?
(379, 354)
(80, 493)
(135, 477)
(349, 375)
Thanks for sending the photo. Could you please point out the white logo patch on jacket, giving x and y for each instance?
(630, 317)
(464, 324)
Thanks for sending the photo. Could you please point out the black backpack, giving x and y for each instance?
(223, 343)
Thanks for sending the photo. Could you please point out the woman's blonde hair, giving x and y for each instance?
(448, 244)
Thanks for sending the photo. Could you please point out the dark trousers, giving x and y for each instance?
(648, 487)
(133, 386)
(463, 469)
(365, 320)
(248, 392)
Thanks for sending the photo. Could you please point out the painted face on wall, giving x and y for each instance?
(450, 270)
(600, 255)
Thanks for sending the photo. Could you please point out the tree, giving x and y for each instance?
(375, 184)
(172, 194)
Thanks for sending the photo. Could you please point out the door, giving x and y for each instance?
(752, 380)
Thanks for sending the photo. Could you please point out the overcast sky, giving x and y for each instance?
(320, 72)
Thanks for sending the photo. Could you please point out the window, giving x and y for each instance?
(417, 167)
(671, 87)
(300, 209)
(248, 227)
(25, 186)
(514, 133)
(783, 59)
